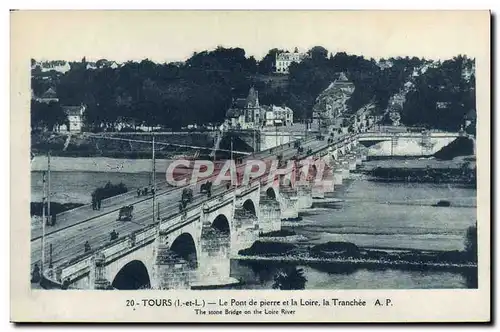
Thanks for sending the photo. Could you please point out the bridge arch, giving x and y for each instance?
(184, 247)
(249, 206)
(271, 193)
(221, 224)
(215, 247)
(133, 275)
(313, 170)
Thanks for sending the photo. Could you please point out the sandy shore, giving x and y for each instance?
(98, 164)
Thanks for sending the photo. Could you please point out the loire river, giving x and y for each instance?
(372, 214)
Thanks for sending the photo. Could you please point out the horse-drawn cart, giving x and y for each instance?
(125, 213)
(187, 197)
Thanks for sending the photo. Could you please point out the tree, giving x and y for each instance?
(318, 53)
(290, 278)
(201, 90)
(442, 96)
(268, 62)
(47, 116)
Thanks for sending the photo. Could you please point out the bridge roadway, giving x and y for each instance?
(68, 242)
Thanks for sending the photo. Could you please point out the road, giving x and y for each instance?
(85, 212)
(95, 226)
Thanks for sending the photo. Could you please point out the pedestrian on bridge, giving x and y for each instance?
(138, 192)
(65, 284)
(35, 275)
(53, 221)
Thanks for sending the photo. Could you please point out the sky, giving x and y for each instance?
(165, 36)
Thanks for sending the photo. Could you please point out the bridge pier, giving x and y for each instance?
(270, 215)
(288, 203)
(245, 230)
(345, 168)
(328, 179)
(352, 162)
(338, 174)
(358, 158)
(361, 153)
(99, 280)
(318, 190)
(304, 195)
(170, 271)
(214, 255)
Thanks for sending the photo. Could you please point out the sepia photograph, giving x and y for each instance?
(168, 155)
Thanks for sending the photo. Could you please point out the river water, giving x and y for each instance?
(372, 214)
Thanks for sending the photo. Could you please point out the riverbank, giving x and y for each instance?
(465, 175)
(417, 163)
(350, 254)
(116, 145)
(98, 164)
(359, 263)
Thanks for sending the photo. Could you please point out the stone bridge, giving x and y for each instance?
(385, 144)
(192, 248)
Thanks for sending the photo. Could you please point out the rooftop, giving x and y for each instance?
(73, 110)
(50, 93)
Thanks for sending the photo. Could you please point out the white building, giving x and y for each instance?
(284, 60)
(56, 65)
(75, 119)
(278, 116)
(245, 113)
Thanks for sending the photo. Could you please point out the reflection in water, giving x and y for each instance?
(471, 278)
(290, 278)
(260, 275)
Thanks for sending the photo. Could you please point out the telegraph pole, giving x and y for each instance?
(48, 181)
(231, 147)
(154, 178)
(43, 225)
(276, 132)
(254, 142)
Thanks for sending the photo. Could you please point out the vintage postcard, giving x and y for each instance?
(250, 166)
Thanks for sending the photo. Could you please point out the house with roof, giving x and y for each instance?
(277, 116)
(60, 66)
(331, 104)
(48, 96)
(285, 59)
(245, 113)
(75, 119)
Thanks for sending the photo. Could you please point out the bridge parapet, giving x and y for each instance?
(144, 235)
(371, 134)
(75, 269)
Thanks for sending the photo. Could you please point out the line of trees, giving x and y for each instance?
(46, 116)
(201, 89)
(446, 85)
